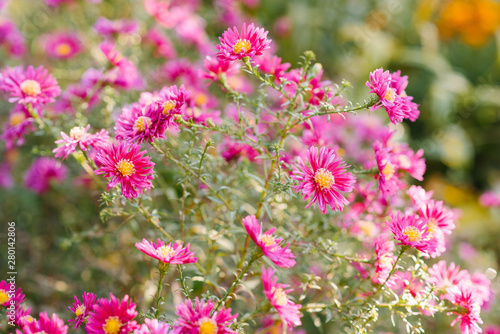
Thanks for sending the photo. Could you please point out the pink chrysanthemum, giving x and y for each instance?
(172, 100)
(153, 326)
(464, 295)
(389, 180)
(29, 86)
(323, 180)
(410, 230)
(490, 199)
(9, 294)
(277, 296)
(385, 259)
(172, 254)
(20, 123)
(42, 172)
(270, 245)
(437, 217)
(79, 137)
(272, 65)
(23, 317)
(419, 196)
(126, 164)
(109, 28)
(216, 67)
(445, 277)
(136, 124)
(47, 325)
(252, 41)
(396, 106)
(82, 309)
(112, 316)
(198, 319)
(62, 45)
(163, 47)
(12, 38)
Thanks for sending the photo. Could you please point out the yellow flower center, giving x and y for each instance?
(388, 171)
(367, 227)
(63, 49)
(165, 251)
(432, 227)
(4, 297)
(77, 132)
(200, 99)
(125, 167)
(240, 45)
(17, 118)
(27, 318)
(112, 325)
(324, 178)
(268, 239)
(167, 106)
(412, 233)
(141, 123)
(280, 297)
(390, 95)
(207, 326)
(30, 87)
(80, 310)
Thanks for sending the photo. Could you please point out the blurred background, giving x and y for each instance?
(449, 49)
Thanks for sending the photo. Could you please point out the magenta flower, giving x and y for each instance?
(112, 316)
(82, 309)
(198, 319)
(109, 28)
(464, 295)
(323, 180)
(8, 293)
(20, 123)
(444, 277)
(437, 217)
(277, 296)
(396, 106)
(153, 326)
(419, 196)
(385, 259)
(12, 38)
(251, 42)
(30, 85)
(172, 254)
(268, 243)
(389, 180)
(23, 316)
(62, 45)
(216, 67)
(490, 199)
(272, 65)
(163, 47)
(44, 170)
(47, 325)
(136, 124)
(79, 137)
(410, 230)
(110, 51)
(172, 99)
(125, 164)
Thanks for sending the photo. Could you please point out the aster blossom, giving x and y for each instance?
(79, 137)
(197, 319)
(42, 172)
(410, 230)
(46, 324)
(323, 179)
(63, 45)
(268, 243)
(277, 296)
(82, 308)
(8, 293)
(126, 164)
(171, 253)
(464, 295)
(35, 86)
(112, 316)
(153, 326)
(250, 42)
(135, 124)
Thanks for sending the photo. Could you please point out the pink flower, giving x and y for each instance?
(216, 67)
(490, 199)
(269, 244)
(20, 123)
(277, 296)
(323, 180)
(62, 45)
(82, 309)
(198, 319)
(12, 38)
(445, 277)
(8, 293)
(42, 172)
(125, 164)
(112, 316)
(23, 316)
(136, 124)
(29, 86)
(47, 325)
(389, 180)
(109, 28)
(78, 136)
(463, 295)
(396, 106)
(172, 254)
(153, 326)
(173, 99)
(162, 44)
(437, 217)
(419, 196)
(231, 150)
(411, 230)
(272, 65)
(385, 259)
(251, 42)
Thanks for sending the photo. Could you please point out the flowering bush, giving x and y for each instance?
(265, 197)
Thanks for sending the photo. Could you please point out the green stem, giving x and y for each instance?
(163, 267)
(183, 282)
